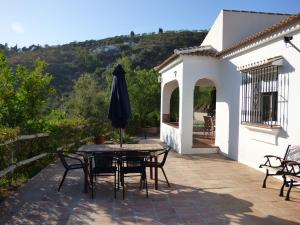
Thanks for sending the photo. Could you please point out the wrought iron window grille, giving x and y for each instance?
(263, 93)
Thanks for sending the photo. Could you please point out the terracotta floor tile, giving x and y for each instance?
(205, 189)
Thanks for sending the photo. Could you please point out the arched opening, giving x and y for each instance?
(204, 110)
(170, 106)
(174, 107)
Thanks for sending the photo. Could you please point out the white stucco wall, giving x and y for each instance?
(231, 27)
(247, 145)
(194, 69)
(253, 144)
(170, 80)
(214, 37)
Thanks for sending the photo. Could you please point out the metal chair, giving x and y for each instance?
(161, 164)
(103, 164)
(209, 126)
(68, 166)
(134, 164)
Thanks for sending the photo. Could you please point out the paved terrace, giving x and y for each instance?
(206, 189)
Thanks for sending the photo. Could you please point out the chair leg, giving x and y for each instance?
(118, 177)
(287, 198)
(162, 169)
(265, 180)
(63, 179)
(118, 181)
(123, 185)
(141, 183)
(115, 185)
(93, 185)
(146, 184)
(282, 187)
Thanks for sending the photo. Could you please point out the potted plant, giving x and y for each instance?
(100, 132)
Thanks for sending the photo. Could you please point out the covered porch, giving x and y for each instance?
(183, 77)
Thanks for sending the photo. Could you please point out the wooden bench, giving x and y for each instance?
(277, 166)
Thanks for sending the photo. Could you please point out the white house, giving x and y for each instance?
(252, 60)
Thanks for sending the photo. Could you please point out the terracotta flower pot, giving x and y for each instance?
(149, 131)
(99, 140)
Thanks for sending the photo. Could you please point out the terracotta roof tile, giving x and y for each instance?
(197, 50)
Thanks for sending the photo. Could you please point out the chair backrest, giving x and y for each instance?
(166, 152)
(134, 158)
(103, 160)
(208, 122)
(62, 159)
(293, 153)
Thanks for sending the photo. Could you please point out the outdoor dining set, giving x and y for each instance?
(119, 162)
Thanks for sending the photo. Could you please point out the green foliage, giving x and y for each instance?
(87, 101)
(204, 99)
(127, 139)
(174, 106)
(144, 93)
(25, 95)
(8, 134)
(62, 133)
(67, 62)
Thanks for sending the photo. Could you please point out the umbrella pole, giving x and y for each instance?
(121, 138)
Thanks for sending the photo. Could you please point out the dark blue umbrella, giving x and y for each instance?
(119, 109)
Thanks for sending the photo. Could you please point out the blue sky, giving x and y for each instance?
(26, 22)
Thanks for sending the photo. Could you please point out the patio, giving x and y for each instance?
(205, 189)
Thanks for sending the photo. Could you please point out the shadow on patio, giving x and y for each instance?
(207, 189)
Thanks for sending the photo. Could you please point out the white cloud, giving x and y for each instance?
(17, 28)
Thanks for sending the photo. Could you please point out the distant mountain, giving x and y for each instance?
(68, 61)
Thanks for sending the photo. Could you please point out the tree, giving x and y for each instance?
(7, 97)
(87, 101)
(24, 94)
(132, 34)
(144, 93)
(160, 30)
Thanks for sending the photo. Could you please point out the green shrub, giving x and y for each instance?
(8, 134)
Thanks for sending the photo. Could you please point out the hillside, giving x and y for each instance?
(68, 61)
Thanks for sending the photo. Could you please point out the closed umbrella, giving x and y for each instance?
(119, 109)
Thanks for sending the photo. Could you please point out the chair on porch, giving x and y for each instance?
(209, 126)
